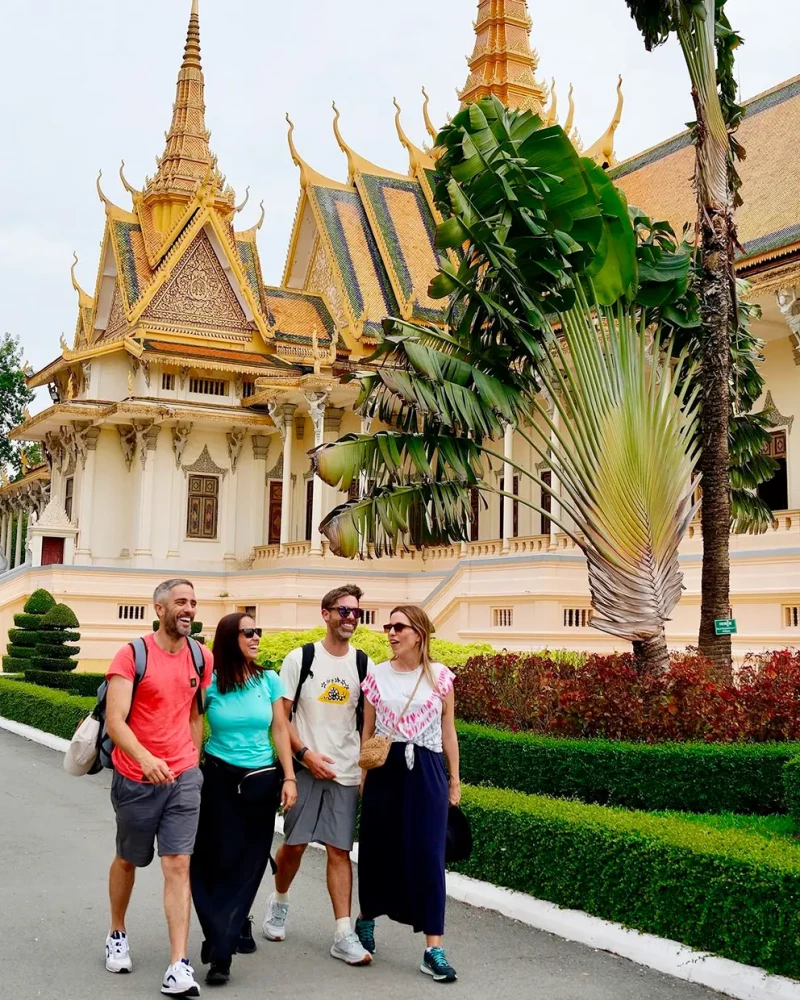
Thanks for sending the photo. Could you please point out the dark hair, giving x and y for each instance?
(231, 668)
(165, 589)
(349, 590)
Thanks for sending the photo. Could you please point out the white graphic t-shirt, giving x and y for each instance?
(326, 714)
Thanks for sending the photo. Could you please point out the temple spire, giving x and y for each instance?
(503, 62)
(187, 160)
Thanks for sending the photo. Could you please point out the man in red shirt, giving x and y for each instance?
(156, 787)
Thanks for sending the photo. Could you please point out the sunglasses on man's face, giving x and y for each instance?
(346, 612)
(396, 627)
(248, 633)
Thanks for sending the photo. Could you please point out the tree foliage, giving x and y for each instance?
(15, 396)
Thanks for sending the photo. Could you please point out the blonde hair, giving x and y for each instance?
(423, 626)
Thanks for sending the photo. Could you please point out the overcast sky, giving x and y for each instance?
(87, 83)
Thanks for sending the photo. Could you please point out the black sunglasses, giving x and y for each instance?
(346, 612)
(248, 633)
(397, 627)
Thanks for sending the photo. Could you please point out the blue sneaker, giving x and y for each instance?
(434, 963)
(365, 929)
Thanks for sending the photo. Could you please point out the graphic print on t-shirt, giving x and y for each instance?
(335, 691)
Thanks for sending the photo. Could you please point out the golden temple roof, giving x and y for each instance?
(503, 63)
(659, 180)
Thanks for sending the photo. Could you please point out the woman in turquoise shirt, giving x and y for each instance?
(241, 790)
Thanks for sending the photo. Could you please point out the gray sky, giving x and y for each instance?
(86, 83)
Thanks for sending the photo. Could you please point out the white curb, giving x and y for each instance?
(745, 982)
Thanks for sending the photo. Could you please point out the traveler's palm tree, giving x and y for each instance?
(546, 318)
(708, 44)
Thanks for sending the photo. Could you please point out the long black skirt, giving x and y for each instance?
(402, 841)
(234, 839)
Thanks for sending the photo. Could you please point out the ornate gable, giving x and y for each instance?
(199, 295)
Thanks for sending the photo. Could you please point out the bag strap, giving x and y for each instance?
(396, 726)
(362, 666)
(305, 673)
(199, 662)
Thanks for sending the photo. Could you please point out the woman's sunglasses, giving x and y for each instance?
(248, 633)
(396, 627)
(346, 612)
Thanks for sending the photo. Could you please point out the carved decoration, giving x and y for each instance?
(235, 438)
(205, 465)
(261, 443)
(316, 408)
(276, 472)
(300, 426)
(774, 417)
(116, 316)
(183, 375)
(85, 439)
(146, 370)
(86, 369)
(127, 441)
(333, 419)
(199, 292)
(282, 416)
(180, 438)
(54, 516)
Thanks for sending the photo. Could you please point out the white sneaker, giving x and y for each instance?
(274, 926)
(118, 952)
(179, 980)
(349, 949)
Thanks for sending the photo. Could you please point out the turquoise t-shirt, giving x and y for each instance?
(240, 721)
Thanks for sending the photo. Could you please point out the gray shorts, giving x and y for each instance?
(325, 813)
(145, 812)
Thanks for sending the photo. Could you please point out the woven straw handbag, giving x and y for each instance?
(375, 750)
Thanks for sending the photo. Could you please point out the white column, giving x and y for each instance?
(86, 486)
(9, 536)
(555, 508)
(3, 529)
(508, 482)
(147, 436)
(261, 443)
(283, 417)
(18, 546)
(317, 410)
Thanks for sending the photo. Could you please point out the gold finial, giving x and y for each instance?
(263, 215)
(128, 187)
(337, 131)
(75, 284)
(246, 199)
(102, 197)
(307, 174)
(571, 113)
(551, 114)
(602, 152)
(416, 156)
(63, 343)
(426, 115)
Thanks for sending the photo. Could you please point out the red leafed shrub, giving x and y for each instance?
(606, 696)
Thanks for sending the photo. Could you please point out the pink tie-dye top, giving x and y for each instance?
(388, 690)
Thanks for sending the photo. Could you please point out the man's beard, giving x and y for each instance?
(174, 628)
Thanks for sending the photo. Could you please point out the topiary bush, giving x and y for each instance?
(52, 650)
(85, 685)
(791, 788)
(28, 625)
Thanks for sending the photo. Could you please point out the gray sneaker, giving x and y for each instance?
(274, 926)
(349, 949)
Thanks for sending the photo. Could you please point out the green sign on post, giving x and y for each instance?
(725, 626)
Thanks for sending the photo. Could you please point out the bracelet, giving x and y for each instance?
(289, 779)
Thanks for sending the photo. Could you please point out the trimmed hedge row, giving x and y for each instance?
(43, 708)
(687, 777)
(791, 788)
(724, 891)
(82, 684)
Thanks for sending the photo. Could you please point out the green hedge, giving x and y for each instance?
(24, 620)
(83, 684)
(22, 637)
(688, 777)
(791, 787)
(14, 665)
(55, 637)
(21, 652)
(40, 602)
(723, 891)
(54, 663)
(52, 711)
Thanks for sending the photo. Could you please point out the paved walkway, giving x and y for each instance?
(56, 839)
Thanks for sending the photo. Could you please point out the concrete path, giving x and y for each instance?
(56, 841)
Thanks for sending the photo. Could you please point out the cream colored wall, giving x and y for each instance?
(111, 528)
(782, 378)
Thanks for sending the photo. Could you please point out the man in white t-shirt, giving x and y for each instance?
(323, 705)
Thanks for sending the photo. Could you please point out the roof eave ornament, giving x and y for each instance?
(238, 208)
(132, 191)
(426, 115)
(602, 152)
(106, 201)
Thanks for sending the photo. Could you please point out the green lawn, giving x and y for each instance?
(770, 827)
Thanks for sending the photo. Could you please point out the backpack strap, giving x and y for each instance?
(139, 647)
(362, 665)
(199, 662)
(305, 673)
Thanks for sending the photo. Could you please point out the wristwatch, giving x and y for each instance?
(300, 754)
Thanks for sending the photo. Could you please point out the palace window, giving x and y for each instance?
(309, 508)
(503, 617)
(248, 390)
(775, 492)
(474, 514)
(367, 616)
(168, 381)
(69, 492)
(791, 616)
(247, 609)
(208, 386)
(547, 502)
(203, 507)
(577, 617)
(131, 612)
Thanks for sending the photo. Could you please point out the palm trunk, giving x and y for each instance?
(717, 308)
(652, 655)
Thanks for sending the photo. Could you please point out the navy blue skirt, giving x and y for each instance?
(402, 841)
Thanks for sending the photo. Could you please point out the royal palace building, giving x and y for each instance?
(184, 407)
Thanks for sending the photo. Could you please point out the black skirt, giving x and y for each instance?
(402, 841)
(234, 839)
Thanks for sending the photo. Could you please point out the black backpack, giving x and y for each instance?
(105, 744)
(362, 663)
